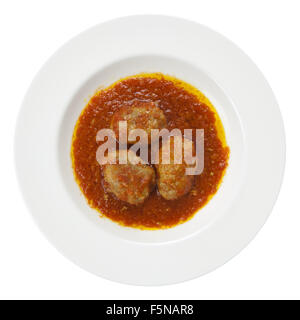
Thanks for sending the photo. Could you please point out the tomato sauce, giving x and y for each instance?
(185, 108)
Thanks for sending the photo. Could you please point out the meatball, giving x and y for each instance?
(140, 115)
(172, 180)
(129, 182)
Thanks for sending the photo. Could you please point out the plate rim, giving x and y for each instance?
(137, 17)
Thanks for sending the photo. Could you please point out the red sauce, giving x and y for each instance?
(183, 110)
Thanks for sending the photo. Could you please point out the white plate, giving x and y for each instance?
(253, 128)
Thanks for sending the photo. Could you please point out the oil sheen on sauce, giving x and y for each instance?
(185, 108)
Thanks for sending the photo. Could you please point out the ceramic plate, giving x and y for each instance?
(191, 52)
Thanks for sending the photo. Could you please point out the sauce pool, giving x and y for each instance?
(185, 108)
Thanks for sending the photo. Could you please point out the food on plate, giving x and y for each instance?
(131, 183)
(148, 196)
(172, 180)
(139, 115)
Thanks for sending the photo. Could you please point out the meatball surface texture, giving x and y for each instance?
(172, 180)
(129, 182)
(140, 115)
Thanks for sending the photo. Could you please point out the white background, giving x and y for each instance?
(267, 30)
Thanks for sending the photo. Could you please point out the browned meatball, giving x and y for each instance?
(172, 180)
(141, 115)
(131, 183)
